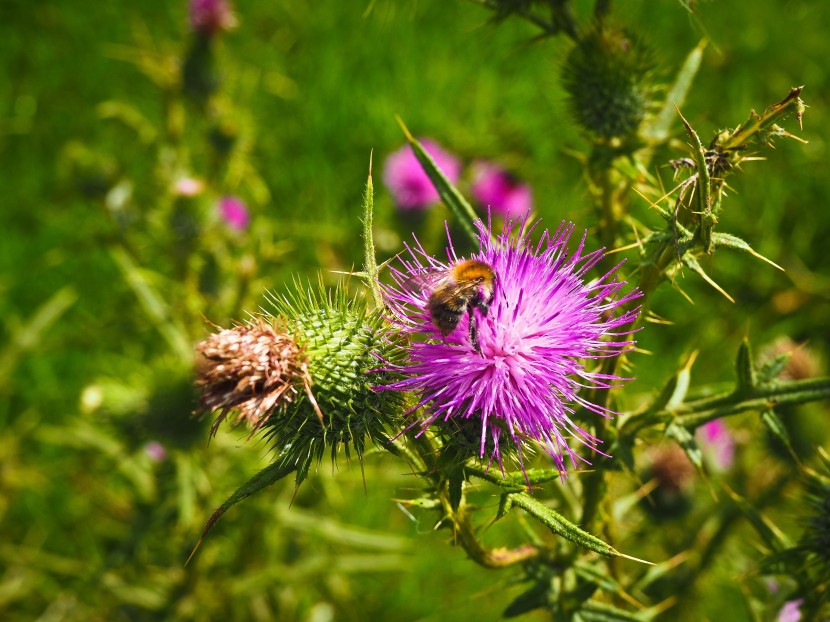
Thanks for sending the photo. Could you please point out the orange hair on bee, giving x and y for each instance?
(472, 270)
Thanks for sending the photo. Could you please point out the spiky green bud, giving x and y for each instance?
(607, 76)
(299, 373)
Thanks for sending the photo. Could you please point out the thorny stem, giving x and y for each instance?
(695, 413)
(562, 18)
(460, 517)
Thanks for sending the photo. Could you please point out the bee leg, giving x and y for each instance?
(474, 331)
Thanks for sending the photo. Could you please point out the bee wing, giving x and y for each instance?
(428, 281)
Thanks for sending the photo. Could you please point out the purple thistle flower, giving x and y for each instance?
(500, 191)
(210, 16)
(234, 213)
(408, 183)
(718, 443)
(545, 320)
(791, 611)
(155, 451)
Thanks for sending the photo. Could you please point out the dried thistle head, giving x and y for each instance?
(255, 369)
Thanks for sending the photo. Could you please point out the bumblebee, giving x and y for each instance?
(465, 287)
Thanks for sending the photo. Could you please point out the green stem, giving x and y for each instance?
(695, 413)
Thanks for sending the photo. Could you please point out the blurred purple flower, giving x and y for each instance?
(208, 17)
(500, 191)
(718, 443)
(155, 451)
(791, 611)
(408, 183)
(546, 319)
(234, 213)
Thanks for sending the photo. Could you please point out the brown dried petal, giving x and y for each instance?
(254, 369)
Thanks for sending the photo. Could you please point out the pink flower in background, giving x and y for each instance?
(790, 612)
(717, 443)
(234, 213)
(208, 17)
(155, 451)
(500, 191)
(408, 183)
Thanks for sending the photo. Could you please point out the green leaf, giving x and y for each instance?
(455, 484)
(687, 441)
(778, 430)
(745, 369)
(563, 527)
(594, 611)
(774, 538)
(727, 240)
(704, 190)
(659, 128)
(772, 368)
(267, 476)
(534, 598)
(690, 261)
(154, 304)
(27, 337)
(449, 194)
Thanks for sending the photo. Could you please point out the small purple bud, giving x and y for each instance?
(717, 443)
(234, 213)
(155, 451)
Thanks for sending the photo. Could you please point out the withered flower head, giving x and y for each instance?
(255, 369)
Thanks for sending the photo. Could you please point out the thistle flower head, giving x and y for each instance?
(254, 370)
(499, 191)
(718, 443)
(546, 323)
(406, 180)
(210, 16)
(607, 76)
(234, 213)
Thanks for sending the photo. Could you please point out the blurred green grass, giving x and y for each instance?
(94, 529)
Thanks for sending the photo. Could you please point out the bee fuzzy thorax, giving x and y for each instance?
(466, 286)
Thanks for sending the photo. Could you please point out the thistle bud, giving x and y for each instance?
(607, 76)
(673, 477)
(300, 376)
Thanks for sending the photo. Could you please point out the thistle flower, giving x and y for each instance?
(208, 17)
(254, 370)
(234, 213)
(499, 191)
(545, 323)
(406, 180)
(717, 443)
(672, 473)
(791, 611)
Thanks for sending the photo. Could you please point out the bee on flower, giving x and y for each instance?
(505, 338)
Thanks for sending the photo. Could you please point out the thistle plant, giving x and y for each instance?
(522, 398)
